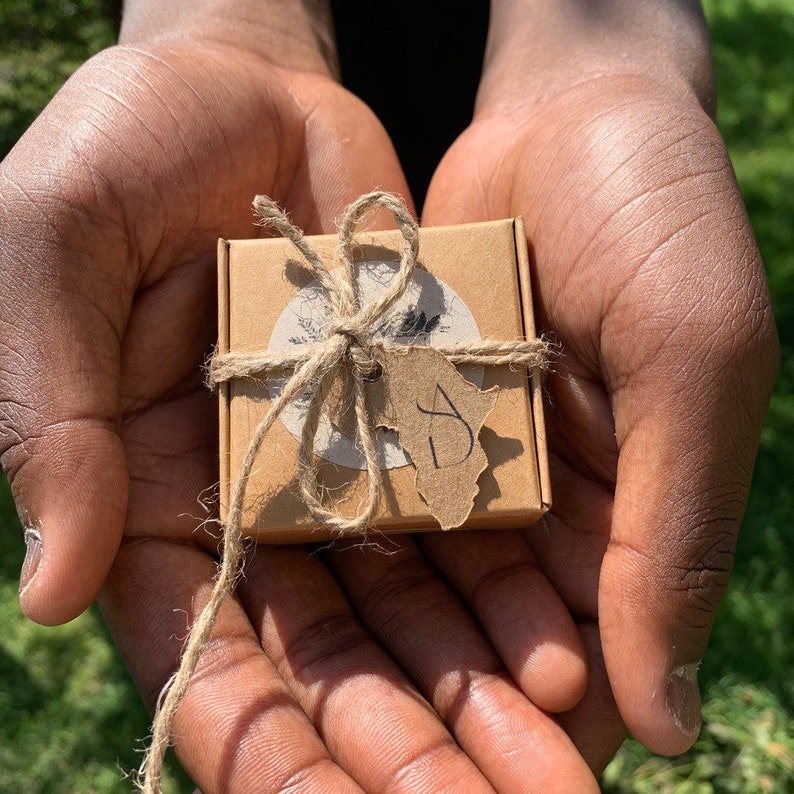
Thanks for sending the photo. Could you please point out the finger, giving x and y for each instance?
(569, 542)
(676, 519)
(334, 171)
(373, 721)
(414, 615)
(59, 382)
(687, 443)
(594, 724)
(528, 625)
(261, 739)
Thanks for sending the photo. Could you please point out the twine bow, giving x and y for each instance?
(349, 343)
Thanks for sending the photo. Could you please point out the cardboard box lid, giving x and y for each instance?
(487, 267)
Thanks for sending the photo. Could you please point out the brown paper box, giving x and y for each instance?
(486, 265)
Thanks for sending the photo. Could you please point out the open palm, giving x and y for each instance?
(647, 275)
(405, 671)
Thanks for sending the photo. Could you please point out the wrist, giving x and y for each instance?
(538, 49)
(292, 35)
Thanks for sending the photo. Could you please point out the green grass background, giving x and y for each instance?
(70, 719)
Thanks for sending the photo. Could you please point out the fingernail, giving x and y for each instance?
(32, 558)
(683, 698)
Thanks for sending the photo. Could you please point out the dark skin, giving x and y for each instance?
(507, 660)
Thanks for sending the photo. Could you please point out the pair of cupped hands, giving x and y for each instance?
(466, 661)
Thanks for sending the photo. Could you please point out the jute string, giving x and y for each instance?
(348, 343)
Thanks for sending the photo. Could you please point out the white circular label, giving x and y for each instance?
(428, 313)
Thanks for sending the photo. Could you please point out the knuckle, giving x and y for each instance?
(213, 665)
(407, 595)
(328, 642)
(498, 580)
(14, 444)
(313, 774)
(398, 587)
(702, 565)
(422, 769)
(68, 445)
(704, 579)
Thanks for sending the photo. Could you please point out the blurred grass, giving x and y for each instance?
(41, 43)
(70, 719)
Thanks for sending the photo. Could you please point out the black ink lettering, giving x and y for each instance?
(452, 414)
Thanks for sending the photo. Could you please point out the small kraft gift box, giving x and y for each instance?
(449, 376)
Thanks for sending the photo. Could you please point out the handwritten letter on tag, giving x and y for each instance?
(438, 415)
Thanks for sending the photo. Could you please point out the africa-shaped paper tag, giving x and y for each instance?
(438, 415)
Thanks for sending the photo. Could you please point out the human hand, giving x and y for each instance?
(111, 208)
(590, 123)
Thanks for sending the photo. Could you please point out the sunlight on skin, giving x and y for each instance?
(645, 268)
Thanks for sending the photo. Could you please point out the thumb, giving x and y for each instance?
(688, 426)
(60, 326)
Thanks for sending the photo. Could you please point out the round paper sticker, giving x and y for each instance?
(428, 313)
